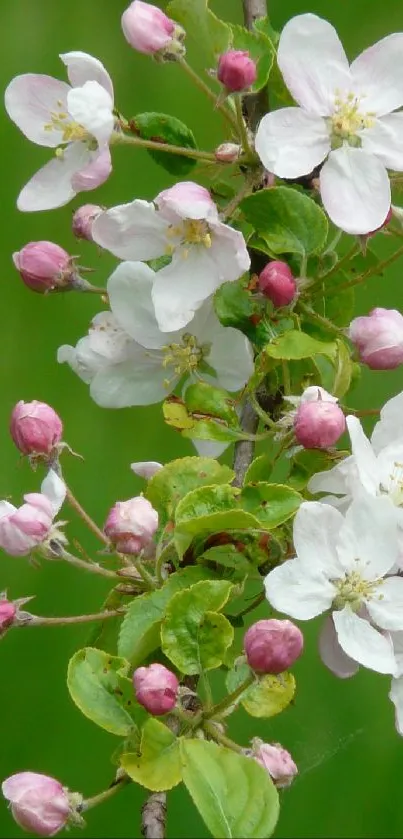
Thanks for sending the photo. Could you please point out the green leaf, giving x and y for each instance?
(210, 33)
(296, 345)
(210, 510)
(158, 764)
(259, 469)
(99, 686)
(234, 794)
(193, 636)
(343, 370)
(271, 504)
(203, 398)
(287, 220)
(140, 630)
(267, 696)
(307, 463)
(236, 307)
(164, 128)
(179, 477)
(260, 48)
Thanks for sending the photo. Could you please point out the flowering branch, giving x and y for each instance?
(153, 145)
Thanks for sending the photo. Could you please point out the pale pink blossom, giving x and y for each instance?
(318, 424)
(131, 524)
(156, 688)
(35, 427)
(277, 762)
(272, 646)
(378, 338)
(83, 220)
(39, 803)
(43, 266)
(24, 528)
(148, 29)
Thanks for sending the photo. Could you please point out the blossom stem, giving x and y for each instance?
(333, 242)
(85, 517)
(144, 574)
(242, 129)
(221, 738)
(37, 620)
(377, 269)
(266, 419)
(320, 319)
(316, 286)
(246, 189)
(244, 449)
(286, 377)
(252, 606)
(212, 95)
(89, 803)
(219, 709)
(153, 145)
(92, 567)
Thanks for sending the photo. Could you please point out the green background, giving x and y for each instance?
(341, 734)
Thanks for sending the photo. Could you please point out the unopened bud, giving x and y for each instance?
(43, 266)
(236, 70)
(83, 220)
(156, 688)
(8, 612)
(227, 152)
(271, 646)
(150, 31)
(277, 283)
(131, 524)
(39, 804)
(35, 427)
(378, 338)
(277, 762)
(318, 424)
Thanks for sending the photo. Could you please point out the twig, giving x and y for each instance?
(98, 616)
(85, 517)
(257, 104)
(244, 449)
(153, 816)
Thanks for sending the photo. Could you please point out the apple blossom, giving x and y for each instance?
(83, 220)
(35, 427)
(277, 283)
(44, 266)
(182, 222)
(131, 524)
(25, 528)
(127, 360)
(150, 31)
(378, 338)
(396, 689)
(39, 803)
(318, 424)
(272, 646)
(342, 564)
(276, 760)
(156, 688)
(347, 117)
(236, 70)
(8, 612)
(75, 119)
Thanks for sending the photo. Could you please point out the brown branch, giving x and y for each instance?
(153, 816)
(257, 104)
(244, 449)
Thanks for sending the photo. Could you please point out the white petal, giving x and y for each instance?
(208, 448)
(378, 74)
(91, 106)
(291, 142)
(316, 527)
(355, 190)
(181, 287)
(331, 653)
(390, 426)
(365, 459)
(82, 68)
(386, 605)
(390, 471)
(333, 480)
(129, 290)
(313, 63)
(186, 200)
(396, 696)
(368, 539)
(230, 355)
(146, 468)
(289, 589)
(95, 173)
(51, 186)
(55, 490)
(385, 141)
(228, 251)
(30, 101)
(363, 643)
(6, 508)
(137, 381)
(397, 640)
(132, 231)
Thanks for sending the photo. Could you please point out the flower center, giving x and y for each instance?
(71, 131)
(348, 120)
(352, 589)
(395, 488)
(190, 232)
(184, 357)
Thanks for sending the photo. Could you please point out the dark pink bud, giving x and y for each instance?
(7, 614)
(83, 220)
(236, 70)
(35, 427)
(148, 30)
(131, 524)
(43, 266)
(277, 283)
(318, 424)
(39, 804)
(156, 688)
(378, 338)
(271, 646)
(277, 762)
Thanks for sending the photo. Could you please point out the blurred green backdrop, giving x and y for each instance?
(341, 734)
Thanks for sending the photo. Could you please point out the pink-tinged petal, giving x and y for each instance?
(316, 527)
(355, 190)
(95, 173)
(6, 508)
(386, 604)
(40, 502)
(390, 426)
(331, 653)
(361, 642)
(186, 200)
(129, 291)
(229, 251)
(368, 541)
(132, 231)
(291, 590)
(182, 287)
(378, 75)
(91, 106)
(396, 696)
(137, 381)
(385, 140)
(31, 100)
(54, 488)
(82, 68)
(291, 142)
(51, 186)
(313, 63)
(364, 456)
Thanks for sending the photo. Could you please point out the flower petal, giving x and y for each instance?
(378, 75)
(291, 590)
(364, 456)
(51, 186)
(91, 106)
(361, 642)
(334, 480)
(137, 381)
(230, 355)
(332, 654)
(355, 190)
(129, 290)
(368, 538)
(146, 468)
(385, 141)
(291, 142)
(82, 67)
(390, 426)
(186, 200)
(228, 251)
(182, 287)
(132, 231)
(95, 173)
(55, 490)
(313, 63)
(386, 605)
(6, 508)
(316, 527)
(30, 101)
(396, 696)
(208, 448)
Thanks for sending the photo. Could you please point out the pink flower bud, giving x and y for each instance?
(43, 266)
(236, 70)
(378, 338)
(318, 424)
(24, 528)
(271, 646)
(8, 612)
(227, 152)
(148, 30)
(156, 688)
(39, 804)
(277, 762)
(83, 220)
(131, 524)
(277, 283)
(35, 427)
